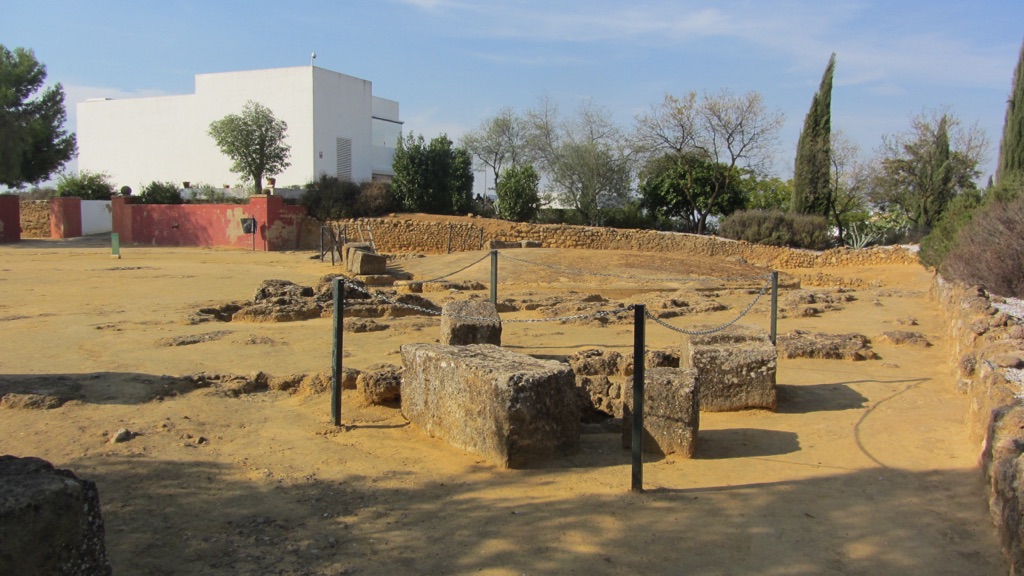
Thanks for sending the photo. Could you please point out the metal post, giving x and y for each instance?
(322, 244)
(115, 245)
(775, 304)
(494, 277)
(639, 317)
(449, 238)
(338, 348)
(481, 239)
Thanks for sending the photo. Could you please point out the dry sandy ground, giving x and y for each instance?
(865, 468)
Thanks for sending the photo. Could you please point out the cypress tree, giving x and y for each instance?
(1011, 146)
(812, 173)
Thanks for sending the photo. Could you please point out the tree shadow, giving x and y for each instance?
(745, 443)
(805, 399)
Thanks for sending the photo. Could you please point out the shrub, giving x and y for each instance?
(988, 249)
(375, 199)
(942, 239)
(160, 193)
(86, 185)
(330, 198)
(777, 228)
(209, 194)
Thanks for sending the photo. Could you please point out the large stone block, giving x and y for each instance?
(350, 248)
(671, 412)
(367, 264)
(510, 408)
(470, 322)
(735, 367)
(380, 383)
(50, 521)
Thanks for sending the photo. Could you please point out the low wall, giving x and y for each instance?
(35, 218)
(10, 219)
(96, 217)
(65, 217)
(404, 235)
(988, 355)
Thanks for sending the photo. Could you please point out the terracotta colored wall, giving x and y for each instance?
(65, 217)
(10, 218)
(279, 226)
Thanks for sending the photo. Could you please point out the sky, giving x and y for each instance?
(452, 64)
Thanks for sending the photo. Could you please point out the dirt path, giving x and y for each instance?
(864, 469)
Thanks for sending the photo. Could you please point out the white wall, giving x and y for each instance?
(137, 141)
(96, 217)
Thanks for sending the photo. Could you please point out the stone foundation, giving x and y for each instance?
(735, 367)
(671, 412)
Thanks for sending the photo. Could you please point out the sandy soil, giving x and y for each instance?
(865, 468)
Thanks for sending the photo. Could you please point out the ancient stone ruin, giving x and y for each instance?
(671, 412)
(735, 368)
(512, 409)
(50, 521)
(470, 322)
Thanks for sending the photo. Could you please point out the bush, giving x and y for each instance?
(375, 199)
(86, 185)
(942, 239)
(330, 198)
(777, 228)
(988, 249)
(209, 194)
(160, 193)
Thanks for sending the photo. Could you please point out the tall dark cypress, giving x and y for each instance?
(813, 167)
(1011, 147)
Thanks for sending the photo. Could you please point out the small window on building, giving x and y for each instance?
(344, 159)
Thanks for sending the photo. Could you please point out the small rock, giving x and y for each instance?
(122, 435)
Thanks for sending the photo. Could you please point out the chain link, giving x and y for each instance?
(448, 275)
(628, 277)
(716, 328)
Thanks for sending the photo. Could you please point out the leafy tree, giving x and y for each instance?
(1011, 146)
(848, 184)
(766, 193)
(812, 172)
(690, 188)
(33, 141)
(918, 172)
(86, 185)
(161, 193)
(942, 238)
(436, 178)
(518, 196)
(499, 142)
(584, 158)
(329, 198)
(255, 142)
(724, 129)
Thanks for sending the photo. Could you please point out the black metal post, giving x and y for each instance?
(639, 317)
(494, 277)
(337, 350)
(775, 305)
(322, 244)
(449, 238)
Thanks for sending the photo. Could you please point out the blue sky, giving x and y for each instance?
(451, 64)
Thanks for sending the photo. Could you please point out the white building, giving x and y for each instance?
(335, 126)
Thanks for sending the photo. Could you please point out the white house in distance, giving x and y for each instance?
(335, 126)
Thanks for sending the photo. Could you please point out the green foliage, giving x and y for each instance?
(517, 190)
(943, 236)
(631, 216)
(988, 249)
(435, 178)
(33, 141)
(766, 193)
(254, 141)
(375, 199)
(812, 176)
(208, 194)
(499, 142)
(777, 228)
(1011, 146)
(160, 193)
(330, 198)
(690, 188)
(86, 185)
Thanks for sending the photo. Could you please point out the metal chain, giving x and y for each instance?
(628, 277)
(448, 275)
(716, 328)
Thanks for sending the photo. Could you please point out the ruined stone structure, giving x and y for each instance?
(671, 412)
(735, 367)
(470, 322)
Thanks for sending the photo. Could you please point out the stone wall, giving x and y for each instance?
(400, 234)
(987, 360)
(35, 219)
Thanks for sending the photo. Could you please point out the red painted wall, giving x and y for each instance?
(65, 217)
(10, 218)
(279, 226)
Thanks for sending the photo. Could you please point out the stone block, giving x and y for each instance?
(470, 322)
(350, 248)
(512, 409)
(380, 384)
(671, 412)
(50, 521)
(367, 264)
(735, 367)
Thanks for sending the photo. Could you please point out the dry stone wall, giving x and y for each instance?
(398, 234)
(35, 219)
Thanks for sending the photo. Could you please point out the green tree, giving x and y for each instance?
(436, 178)
(690, 188)
(518, 195)
(255, 142)
(86, 185)
(812, 170)
(848, 186)
(33, 141)
(723, 129)
(1011, 146)
(770, 193)
(329, 198)
(918, 172)
(161, 193)
(499, 142)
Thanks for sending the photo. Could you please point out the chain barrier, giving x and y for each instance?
(448, 275)
(719, 328)
(628, 277)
